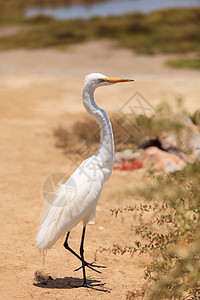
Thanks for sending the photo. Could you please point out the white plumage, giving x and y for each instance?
(67, 209)
(77, 198)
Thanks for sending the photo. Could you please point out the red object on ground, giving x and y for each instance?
(129, 164)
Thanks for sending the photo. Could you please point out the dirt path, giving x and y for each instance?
(38, 91)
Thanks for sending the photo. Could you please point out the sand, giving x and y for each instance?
(40, 90)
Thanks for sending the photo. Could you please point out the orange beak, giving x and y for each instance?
(116, 80)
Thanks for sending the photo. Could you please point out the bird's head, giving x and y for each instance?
(96, 79)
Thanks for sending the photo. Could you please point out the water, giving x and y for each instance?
(108, 8)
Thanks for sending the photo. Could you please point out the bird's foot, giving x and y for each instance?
(93, 286)
(91, 266)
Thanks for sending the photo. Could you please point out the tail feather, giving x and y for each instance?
(51, 229)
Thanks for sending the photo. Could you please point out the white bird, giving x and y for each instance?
(64, 209)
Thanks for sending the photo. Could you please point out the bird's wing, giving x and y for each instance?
(73, 201)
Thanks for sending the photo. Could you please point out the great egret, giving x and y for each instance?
(65, 210)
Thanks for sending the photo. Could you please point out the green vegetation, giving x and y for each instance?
(184, 63)
(188, 63)
(167, 31)
(169, 216)
(12, 11)
(25, 3)
(171, 235)
(195, 117)
(47, 34)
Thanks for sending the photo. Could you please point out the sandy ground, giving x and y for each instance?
(38, 91)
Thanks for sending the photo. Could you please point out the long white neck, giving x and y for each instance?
(106, 149)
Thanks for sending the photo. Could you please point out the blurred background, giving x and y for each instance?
(46, 49)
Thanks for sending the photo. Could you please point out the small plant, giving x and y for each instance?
(62, 136)
(171, 235)
(195, 117)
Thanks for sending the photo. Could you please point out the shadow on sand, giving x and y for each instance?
(45, 281)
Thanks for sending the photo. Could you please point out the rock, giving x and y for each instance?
(194, 144)
(160, 160)
(189, 141)
(186, 145)
(168, 141)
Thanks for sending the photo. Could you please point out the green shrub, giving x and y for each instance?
(173, 233)
(189, 63)
(165, 31)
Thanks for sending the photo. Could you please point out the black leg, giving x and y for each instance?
(68, 248)
(89, 265)
(82, 256)
(84, 263)
(85, 284)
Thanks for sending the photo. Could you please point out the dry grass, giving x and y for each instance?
(62, 137)
(128, 132)
(87, 130)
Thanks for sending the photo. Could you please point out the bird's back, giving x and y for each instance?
(72, 202)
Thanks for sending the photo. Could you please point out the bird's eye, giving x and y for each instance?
(102, 80)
